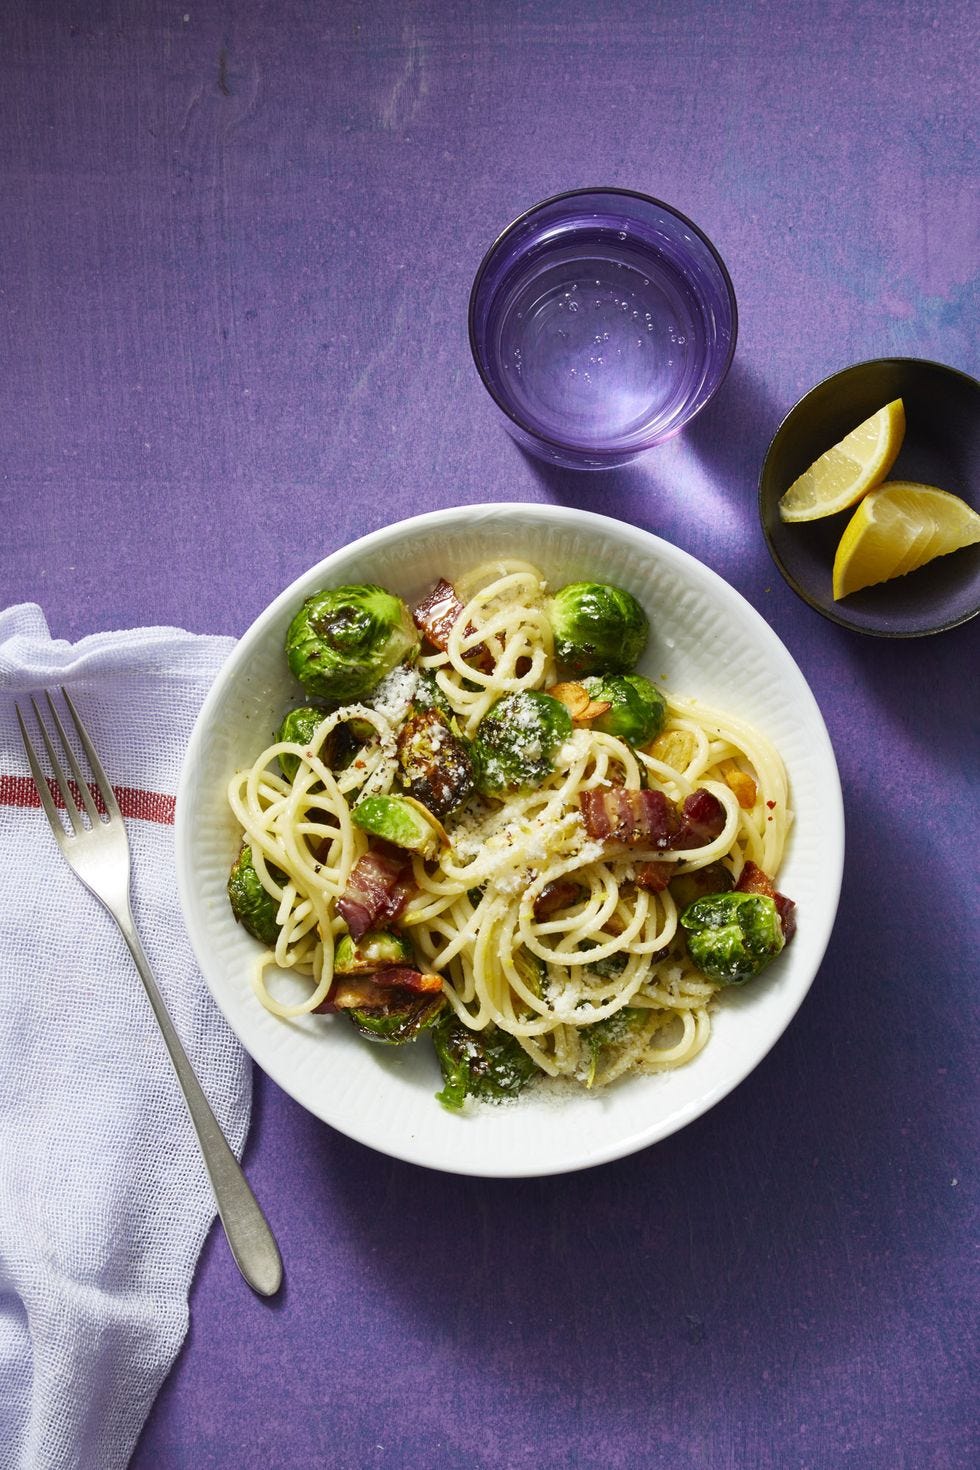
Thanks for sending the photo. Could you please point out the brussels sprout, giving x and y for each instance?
(637, 709)
(732, 936)
(428, 695)
(607, 968)
(253, 907)
(373, 950)
(400, 820)
(299, 727)
(531, 969)
(399, 1020)
(609, 1033)
(516, 741)
(598, 629)
(435, 764)
(489, 1064)
(344, 639)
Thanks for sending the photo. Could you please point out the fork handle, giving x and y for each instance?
(252, 1242)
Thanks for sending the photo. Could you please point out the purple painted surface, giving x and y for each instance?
(236, 244)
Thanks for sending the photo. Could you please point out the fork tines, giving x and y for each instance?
(98, 803)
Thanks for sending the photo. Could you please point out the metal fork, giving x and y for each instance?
(98, 851)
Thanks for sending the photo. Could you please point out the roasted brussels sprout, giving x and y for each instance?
(253, 906)
(435, 764)
(402, 1018)
(344, 639)
(400, 820)
(732, 936)
(299, 727)
(516, 741)
(598, 629)
(373, 950)
(489, 1064)
(637, 710)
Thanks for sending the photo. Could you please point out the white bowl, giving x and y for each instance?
(706, 641)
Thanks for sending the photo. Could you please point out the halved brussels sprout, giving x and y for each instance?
(435, 764)
(637, 709)
(597, 628)
(399, 1020)
(374, 950)
(344, 639)
(732, 936)
(489, 1064)
(516, 741)
(401, 820)
(253, 906)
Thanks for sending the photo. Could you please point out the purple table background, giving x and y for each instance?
(235, 248)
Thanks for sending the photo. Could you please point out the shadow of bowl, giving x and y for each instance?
(941, 447)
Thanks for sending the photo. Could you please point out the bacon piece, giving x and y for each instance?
(654, 877)
(389, 985)
(702, 820)
(435, 617)
(437, 612)
(377, 890)
(406, 977)
(558, 895)
(752, 879)
(612, 813)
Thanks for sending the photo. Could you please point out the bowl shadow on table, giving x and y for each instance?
(777, 1206)
(729, 437)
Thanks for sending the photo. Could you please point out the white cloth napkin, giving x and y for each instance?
(104, 1201)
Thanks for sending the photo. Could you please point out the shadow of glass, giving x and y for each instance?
(731, 436)
(728, 439)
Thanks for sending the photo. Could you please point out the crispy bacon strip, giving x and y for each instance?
(406, 977)
(372, 992)
(613, 814)
(752, 879)
(436, 615)
(437, 612)
(702, 820)
(377, 890)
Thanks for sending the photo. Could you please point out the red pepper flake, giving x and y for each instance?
(770, 805)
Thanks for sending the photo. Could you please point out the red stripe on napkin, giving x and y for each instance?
(149, 806)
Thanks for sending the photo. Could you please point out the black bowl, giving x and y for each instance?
(941, 447)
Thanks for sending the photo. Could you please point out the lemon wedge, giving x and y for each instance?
(896, 529)
(839, 478)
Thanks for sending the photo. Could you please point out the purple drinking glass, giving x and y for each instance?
(601, 321)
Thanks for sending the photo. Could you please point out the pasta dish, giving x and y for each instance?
(486, 828)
